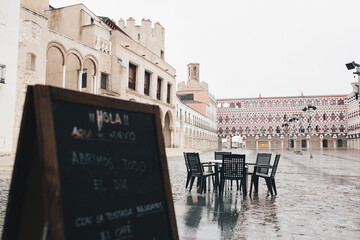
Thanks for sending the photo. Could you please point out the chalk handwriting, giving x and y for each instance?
(118, 214)
(81, 133)
(110, 118)
(92, 117)
(123, 230)
(127, 136)
(149, 208)
(120, 184)
(99, 185)
(92, 160)
(83, 221)
(134, 165)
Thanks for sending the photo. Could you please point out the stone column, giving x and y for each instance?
(171, 137)
(94, 85)
(63, 77)
(140, 74)
(153, 85)
(321, 143)
(80, 81)
(163, 90)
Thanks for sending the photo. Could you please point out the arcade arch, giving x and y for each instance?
(73, 67)
(54, 66)
(88, 78)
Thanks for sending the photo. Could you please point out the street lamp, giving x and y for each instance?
(287, 125)
(293, 121)
(355, 85)
(309, 125)
(300, 129)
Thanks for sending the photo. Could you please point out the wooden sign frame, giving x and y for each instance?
(34, 209)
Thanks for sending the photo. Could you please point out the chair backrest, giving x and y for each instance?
(194, 163)
(186, 162)
(233, 166)
(276, 162)
(263, 159)
(219, 155)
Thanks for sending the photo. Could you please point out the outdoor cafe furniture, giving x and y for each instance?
(188, 176)
(218, 155)
(233, 168)
(197, 171)
(261, 159)
(269, 179)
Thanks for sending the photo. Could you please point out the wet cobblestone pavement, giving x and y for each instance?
(317, 198)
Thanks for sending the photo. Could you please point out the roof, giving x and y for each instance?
(265, 98)
(111, 24)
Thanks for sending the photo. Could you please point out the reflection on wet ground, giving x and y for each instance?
(317, 198)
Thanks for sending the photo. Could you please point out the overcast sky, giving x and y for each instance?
(247, 47)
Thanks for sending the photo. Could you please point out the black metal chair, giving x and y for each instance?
(188, 177)
(269, 179)
(218, 155)
(233, 168)
(197, 171)
(261, 159)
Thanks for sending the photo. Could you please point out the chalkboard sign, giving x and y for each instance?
(99, 170)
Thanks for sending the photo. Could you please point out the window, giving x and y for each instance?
(184, 97)
(147, 83)
(325, 143)
(84, 80)
(104, 81)
(303, 143)
(333, 117)
(162, 54)
(341, 116)
(342, 128)
(158, 89)
(333, 128)
(168, 95)
(340, 142)
(30, 61)
(132, 76)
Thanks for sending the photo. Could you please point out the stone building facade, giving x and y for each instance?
(9, 32)
(261, 122)
(73, 48)
(353, 119)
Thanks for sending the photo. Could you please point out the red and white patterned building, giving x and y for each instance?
(353, 120)
(259, 121)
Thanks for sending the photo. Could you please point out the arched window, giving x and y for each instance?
(333, 117)
(342, 128)
(333, 128)
(341, 116)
